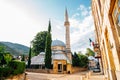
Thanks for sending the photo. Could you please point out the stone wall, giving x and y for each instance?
(40, 70)
(77, 69)
(74, 70)
(18, 77)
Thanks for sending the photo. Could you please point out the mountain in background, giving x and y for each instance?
(15, 49)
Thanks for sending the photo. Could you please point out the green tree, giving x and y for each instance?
(49, 27)
(79, 60)
(38, 42)
(75, 60)
(23, 58)
(29, 58)
(90, 52)
(83, 60)
(48, 53)
(2, 49)
(2, 59)
(8, 57)
(5, 57)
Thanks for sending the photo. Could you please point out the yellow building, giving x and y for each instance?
(60, 58)
(106, 14)
(61, 53)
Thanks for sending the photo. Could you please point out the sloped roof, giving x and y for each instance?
(38, 59)
(58, 55)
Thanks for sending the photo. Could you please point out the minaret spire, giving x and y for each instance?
(66, 15)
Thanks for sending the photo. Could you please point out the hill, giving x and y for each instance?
(15, 48)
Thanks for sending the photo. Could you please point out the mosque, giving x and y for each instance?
(61, 53)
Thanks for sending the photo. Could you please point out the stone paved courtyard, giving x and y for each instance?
(76, 76)
(43, 76)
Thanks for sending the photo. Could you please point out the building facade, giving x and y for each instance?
(106, 14)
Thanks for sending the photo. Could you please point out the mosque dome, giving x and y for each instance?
(58, 43)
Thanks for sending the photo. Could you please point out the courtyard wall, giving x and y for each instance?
(74, 70)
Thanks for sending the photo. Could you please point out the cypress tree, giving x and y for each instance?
(23, 57)
(75, 59)
(49, 27)
(29, 58)
(48, 53)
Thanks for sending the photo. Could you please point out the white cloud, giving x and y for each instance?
(58, 30)
(75, 15)
(82, 30)
(81, 7)
(84, 10)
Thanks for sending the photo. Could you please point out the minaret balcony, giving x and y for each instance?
(67, 23)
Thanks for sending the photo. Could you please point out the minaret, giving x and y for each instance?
(67, 26)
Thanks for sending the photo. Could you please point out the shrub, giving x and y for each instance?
(5, 72)
(18, 67)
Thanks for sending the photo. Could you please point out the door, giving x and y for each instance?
(59, 67)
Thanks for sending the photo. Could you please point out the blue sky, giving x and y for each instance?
(21, 20)
(55, 8)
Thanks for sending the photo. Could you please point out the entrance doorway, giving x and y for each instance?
(59, 67)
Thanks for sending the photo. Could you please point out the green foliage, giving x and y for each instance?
(8, 66)
(13, 68)
(79, 60)
(48, 52)
(23, 58)
(17, 67)
(83, 60)
(75, 59)
(5, 72)
(15, 49)
(29, 58)
(38, 42)
(90, 52)
(2, 49)
(7, 57)
(49, 27)
(2, 60)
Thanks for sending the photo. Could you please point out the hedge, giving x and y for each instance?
(18, 67)
(13, 68)
(5, 71)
